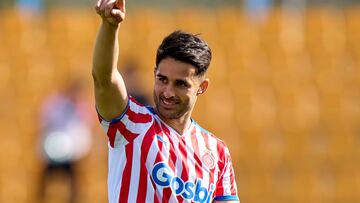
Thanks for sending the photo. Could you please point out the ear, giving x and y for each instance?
(203, 86)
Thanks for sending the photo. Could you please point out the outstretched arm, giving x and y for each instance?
(110, 91)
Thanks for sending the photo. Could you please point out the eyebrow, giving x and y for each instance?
(182, 80)
(176, 80)
(162, 76)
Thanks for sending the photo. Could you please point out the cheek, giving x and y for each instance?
(156, 89)
(190, 96)
(155, 94)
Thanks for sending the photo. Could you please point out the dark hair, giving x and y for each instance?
(185, 47)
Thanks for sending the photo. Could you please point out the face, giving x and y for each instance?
(176, 88)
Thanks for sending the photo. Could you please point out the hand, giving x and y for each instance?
(111, 11)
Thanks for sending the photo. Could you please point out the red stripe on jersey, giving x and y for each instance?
(172, 159)
(154, 186)
(172, 155)
(185, 167)
(221, 163)
(145, 147)
(126, 176)
(111, 133)
(138, 117)
(160, 143)
(156, 200)
(125, 184)
(155, 193)
(198, 162)
(128, 135)
(233, 189)
(142, 189)
(158, 158)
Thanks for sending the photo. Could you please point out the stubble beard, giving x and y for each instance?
(175, 113)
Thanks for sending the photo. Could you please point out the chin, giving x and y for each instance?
(169, 115)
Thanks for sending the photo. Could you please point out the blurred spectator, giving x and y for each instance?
(30, 6)
(257, 9)
(65, 135)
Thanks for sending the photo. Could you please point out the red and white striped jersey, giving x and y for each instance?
(150, 162)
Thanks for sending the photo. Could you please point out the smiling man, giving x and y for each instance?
(159, 154)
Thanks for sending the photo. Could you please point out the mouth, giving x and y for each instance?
(168, 103)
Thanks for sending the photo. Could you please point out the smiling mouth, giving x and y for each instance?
(168, 103)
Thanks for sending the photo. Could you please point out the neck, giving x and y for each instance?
(180, 125)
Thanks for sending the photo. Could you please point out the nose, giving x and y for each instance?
(168, 92)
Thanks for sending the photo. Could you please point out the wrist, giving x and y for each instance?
(110, 25)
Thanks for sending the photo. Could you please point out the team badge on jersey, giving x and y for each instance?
(208, 159)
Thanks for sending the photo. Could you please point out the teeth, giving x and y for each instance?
(168, 103)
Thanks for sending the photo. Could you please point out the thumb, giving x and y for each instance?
(118, 14)
(120, 4)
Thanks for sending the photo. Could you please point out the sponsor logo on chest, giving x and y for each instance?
(164, 177)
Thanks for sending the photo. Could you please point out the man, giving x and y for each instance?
(64, 121)
(159, 154)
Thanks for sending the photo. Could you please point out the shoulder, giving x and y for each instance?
(221, 147)
(209, 134)
(137, 112)
(134, 112)
(135, 121)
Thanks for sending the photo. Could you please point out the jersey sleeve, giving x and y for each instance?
(226, 189)
(124, 129)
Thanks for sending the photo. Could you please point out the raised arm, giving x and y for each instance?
(110, 91)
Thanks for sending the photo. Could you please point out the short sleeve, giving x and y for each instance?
(125, 128)
(226, 189)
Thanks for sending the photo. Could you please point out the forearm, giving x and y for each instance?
(110, 90)
(106, 53)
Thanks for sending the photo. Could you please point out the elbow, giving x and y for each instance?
(101, 79)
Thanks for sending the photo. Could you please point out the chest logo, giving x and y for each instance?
(197, 191)
(208, 159)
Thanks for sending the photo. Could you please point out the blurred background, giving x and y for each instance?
(284, 94)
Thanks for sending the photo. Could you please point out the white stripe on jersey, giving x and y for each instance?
(119, 140)
(213, 147)
(150, 162)
(190, 158)
(173, 197)
(165, 147)
(137, 128)
(105, 126)
(178, 164)
(150, 191)
(151, 156)
(165, 152)
(227, 180)
(138, 109)
(135, 170)
(117, 162)
(202, 148)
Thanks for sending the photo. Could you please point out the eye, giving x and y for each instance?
(182, 84)
(162, 79)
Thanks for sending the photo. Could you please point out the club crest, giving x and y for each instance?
(208, 159)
